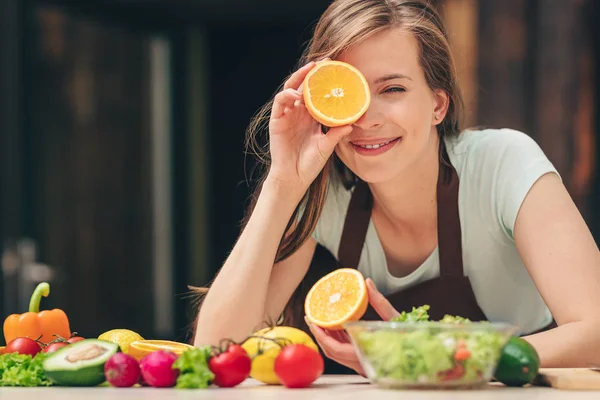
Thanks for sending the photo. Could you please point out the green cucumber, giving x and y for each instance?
(80, 363)
(519, 363)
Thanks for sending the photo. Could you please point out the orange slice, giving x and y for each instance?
(140, 348)
(336, 298)
(336, 93)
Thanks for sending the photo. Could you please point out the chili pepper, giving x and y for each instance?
(37, 325)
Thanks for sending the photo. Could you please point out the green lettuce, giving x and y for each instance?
(427, 355)
(405, 356)
(416, 315)
(194, 372)
(23, 370)
(486, 348)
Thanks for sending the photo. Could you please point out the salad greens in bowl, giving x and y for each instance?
(410, 351)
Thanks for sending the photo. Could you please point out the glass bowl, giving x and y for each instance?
(429, 355)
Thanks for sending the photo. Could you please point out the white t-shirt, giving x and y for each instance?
(496, 168)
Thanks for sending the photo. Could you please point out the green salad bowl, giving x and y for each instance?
(429, 355)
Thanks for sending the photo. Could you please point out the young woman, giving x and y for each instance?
(476, 223)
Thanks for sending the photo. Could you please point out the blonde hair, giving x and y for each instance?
(344, 24)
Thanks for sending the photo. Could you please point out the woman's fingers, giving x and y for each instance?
(334, 135)
(379, 303)
(336, 345)
(334, 349)
(296, 79)
(340, 336)
(284, 102)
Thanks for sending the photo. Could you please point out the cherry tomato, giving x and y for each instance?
(23, 345)
(75, 339)
(298, 366)
(55, 346)
(462, 354)
(230, 367)
(457, 372)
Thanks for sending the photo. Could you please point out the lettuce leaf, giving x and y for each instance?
(425, 355)
(23, 370)
(418, 314)
(194, 372)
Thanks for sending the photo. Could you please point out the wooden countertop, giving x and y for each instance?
(327, 387)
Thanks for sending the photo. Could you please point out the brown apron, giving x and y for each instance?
(450, 293)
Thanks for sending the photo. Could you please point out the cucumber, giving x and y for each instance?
(519, 363)
(80, 363)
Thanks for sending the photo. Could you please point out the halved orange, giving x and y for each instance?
(140, 348)
(336, 93)
(336, 298)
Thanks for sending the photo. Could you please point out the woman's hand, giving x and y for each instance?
(299, 149)
(336, 345)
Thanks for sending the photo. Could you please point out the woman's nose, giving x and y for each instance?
(371, 119)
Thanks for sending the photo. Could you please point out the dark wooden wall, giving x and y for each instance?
(11, 115)
(88, 169)
(529, 65)
(74, 135)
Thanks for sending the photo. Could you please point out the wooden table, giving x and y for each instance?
(327, 387)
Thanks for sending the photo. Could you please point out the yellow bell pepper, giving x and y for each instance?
(37, 325)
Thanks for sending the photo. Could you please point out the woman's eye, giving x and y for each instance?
(394, 90)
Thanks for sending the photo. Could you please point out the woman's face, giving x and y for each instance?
(402, 112)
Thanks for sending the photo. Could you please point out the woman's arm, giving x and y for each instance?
(249, 288)
(564, 262)
(237, 301)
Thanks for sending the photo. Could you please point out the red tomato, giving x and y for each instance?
(298, 366)
(23, 345)
(55, 346)
(231, 367)
(457, 372)
(74, 339)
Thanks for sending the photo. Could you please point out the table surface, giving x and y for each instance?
(340, 387)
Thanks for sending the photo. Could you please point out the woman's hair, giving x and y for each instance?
(344, 24)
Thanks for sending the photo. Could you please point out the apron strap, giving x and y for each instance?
(449, 230)
(356, 225)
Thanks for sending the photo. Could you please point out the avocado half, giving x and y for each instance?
(80, 363)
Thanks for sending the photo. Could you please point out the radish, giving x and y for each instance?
(142, 382)
(157, 369)
(122, 370)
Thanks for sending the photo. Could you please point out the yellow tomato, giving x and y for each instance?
(265, 345)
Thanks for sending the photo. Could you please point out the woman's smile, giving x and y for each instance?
(374, 147)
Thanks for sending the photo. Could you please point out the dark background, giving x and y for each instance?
(76, 93)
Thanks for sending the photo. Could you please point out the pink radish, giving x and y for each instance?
(157, 369)
(122, 370)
